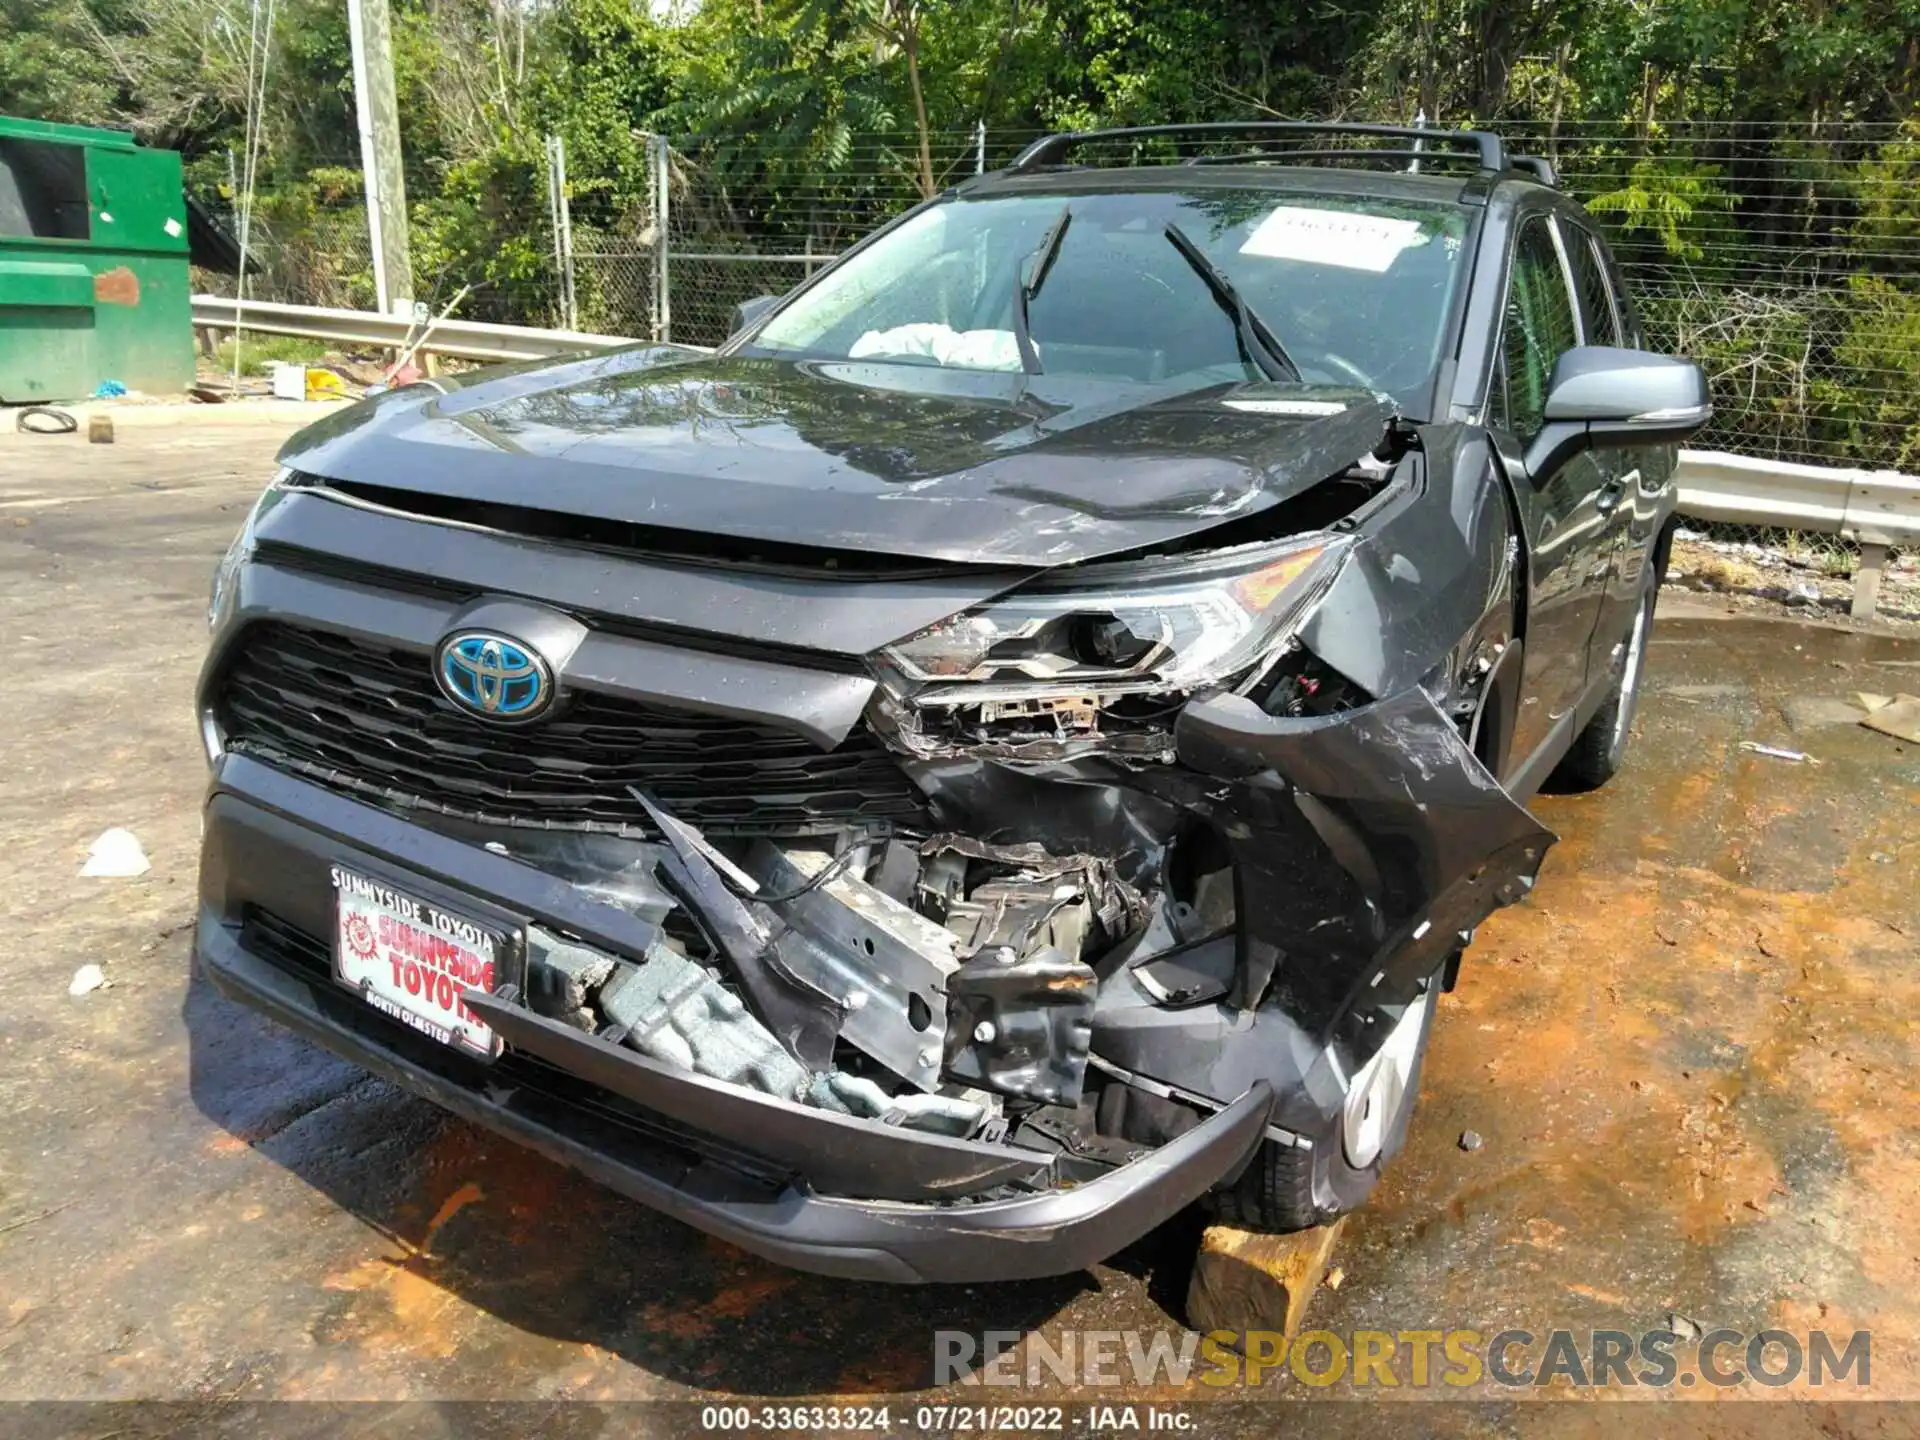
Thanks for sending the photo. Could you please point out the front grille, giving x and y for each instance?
(367, 719)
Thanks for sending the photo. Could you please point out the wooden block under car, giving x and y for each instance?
(1244, 1280)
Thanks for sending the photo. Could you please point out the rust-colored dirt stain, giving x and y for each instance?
(118, 286)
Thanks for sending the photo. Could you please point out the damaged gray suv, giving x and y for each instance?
(1012, 744)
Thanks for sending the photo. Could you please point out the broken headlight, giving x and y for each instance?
(1180, 624)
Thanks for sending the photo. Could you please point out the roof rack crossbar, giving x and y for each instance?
(1050, 149)
(1396, 154)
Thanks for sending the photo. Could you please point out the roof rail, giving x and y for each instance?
(1433, 143)
(1541, 169)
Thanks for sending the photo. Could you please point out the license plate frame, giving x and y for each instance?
(445, 949)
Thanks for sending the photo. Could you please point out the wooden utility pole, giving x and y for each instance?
(371, 31)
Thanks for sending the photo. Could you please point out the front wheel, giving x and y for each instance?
(1285, 1188)
(1599, 749)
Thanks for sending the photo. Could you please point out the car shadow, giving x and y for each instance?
(554, 1254)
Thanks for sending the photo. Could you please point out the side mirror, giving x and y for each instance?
(1600, 395)
(747, 312)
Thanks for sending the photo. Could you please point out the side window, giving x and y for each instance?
(1539, 325)
(1602, 325)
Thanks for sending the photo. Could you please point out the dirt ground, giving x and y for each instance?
(1691, 1058)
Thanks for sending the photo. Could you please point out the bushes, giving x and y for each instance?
(1872, 393)
(1827, 375)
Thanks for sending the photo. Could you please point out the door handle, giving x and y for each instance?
(1610, 494)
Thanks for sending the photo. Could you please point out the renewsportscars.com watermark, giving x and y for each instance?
(1411, 1359)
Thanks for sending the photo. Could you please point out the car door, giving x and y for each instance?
(1632, 492)
(1565, 512)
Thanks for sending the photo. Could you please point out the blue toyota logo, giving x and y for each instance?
(492, 676)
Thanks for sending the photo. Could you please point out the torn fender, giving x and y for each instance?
(1366, 843)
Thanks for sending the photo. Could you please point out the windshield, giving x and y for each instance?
(1356, 289)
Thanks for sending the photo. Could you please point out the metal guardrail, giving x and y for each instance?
(1871, 506)
(1877, 509)
(468, 339)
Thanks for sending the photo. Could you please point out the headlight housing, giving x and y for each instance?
(228, 570)
(1182, 625)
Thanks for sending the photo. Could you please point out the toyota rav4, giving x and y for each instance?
(1011, 744)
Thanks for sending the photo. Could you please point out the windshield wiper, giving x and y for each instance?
(1026, 284)
(1257, 340)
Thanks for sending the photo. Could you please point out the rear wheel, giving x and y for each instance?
(1599, 750)
(1286, 1188)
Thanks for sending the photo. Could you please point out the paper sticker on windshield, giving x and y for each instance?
(1332, 237)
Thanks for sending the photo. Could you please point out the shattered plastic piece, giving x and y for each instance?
(804, 1018)
(573, 971)
(87, 979)
(1901, 719)
(116, 855)
(1680, 1325)
(1795, 756)
(678, 1013)
(1385, 841)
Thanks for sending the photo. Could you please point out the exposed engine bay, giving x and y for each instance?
(945, 985)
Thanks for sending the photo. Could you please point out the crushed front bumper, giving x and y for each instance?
(726, 1163)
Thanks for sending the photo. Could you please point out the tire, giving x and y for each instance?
(1598, 751)
(1285, 1188)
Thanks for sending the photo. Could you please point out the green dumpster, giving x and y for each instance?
(93, 265)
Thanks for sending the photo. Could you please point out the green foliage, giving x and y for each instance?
(475, 232)
(50, 66)
(1889, 195)
(259, 352)
(598, 75)
(1663, 200)
(1881, 339)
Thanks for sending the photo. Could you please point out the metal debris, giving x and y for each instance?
(1797, 757)
(1470, 1140)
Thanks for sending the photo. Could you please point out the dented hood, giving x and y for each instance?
(945, 465)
